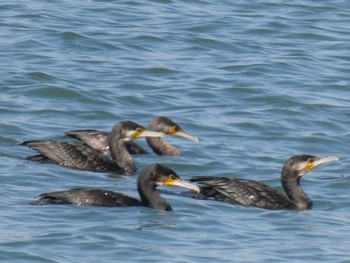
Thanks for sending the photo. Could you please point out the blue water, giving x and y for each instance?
(256, 81)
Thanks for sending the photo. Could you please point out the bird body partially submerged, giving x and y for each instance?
(72, 155)
(83, 157)
(252, 193)
(150, 177)
(87, 196)
(241, 192)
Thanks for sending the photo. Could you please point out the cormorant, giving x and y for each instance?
(252, 193)
(150, 177)
(81, 156)
(98, 139)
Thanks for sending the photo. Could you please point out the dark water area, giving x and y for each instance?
(257, 82)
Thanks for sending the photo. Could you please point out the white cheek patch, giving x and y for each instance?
(129, 135)
(300, 167)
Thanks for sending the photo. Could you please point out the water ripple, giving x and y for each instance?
(256, 82)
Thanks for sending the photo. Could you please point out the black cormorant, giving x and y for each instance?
(252, 193)
(150, 177)
(81, 156)
(98, 139)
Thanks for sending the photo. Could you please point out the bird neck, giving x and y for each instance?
(295, 193)
(121, 155)
(151, 198)
(161, 147)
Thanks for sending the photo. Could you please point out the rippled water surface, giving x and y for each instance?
(256, 81)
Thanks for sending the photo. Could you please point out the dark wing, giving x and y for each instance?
(39, 158)
(77, 156)
(97, 140)
(243, 192)
(83, 196)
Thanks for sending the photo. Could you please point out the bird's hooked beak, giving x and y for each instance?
(176, 181)
(141, 132)
(176, 131)
(312, 163)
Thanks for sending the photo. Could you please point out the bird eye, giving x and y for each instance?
(173, 129)
(139, 130)
(172, 177)
(311, 160)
